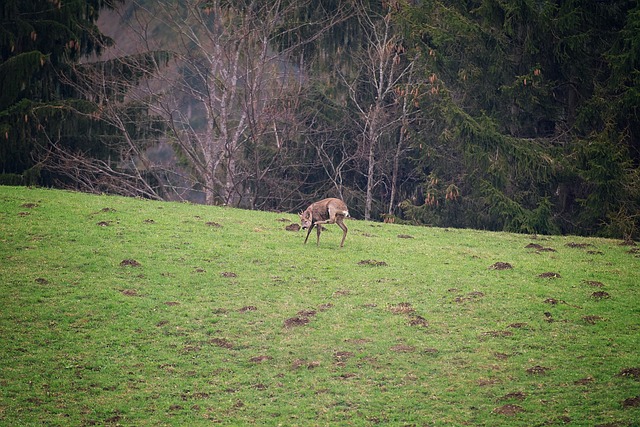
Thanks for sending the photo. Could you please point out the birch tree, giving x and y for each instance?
(377, 96)
(228, 84)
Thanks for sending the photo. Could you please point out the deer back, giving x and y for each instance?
(326, 208)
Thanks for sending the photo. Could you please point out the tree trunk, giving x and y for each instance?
(370, 181)
(396, 167)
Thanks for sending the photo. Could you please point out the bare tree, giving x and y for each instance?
(382, 108)
(115, 116)
(228, 86)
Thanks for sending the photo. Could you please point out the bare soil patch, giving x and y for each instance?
(372, 263)
(630, 373)
(509, 410)
(632, 402)
(221, 342)
(496, 334)
(260, 359)
(402, 308)
(469, 297)
(549, 275)
(191, 349)
(302, 363)
(518, 395)
(306, 313)
(578, 245)
(539, 248)
(584, 381)
(342, 293)
(418, 321)
(296, 321)
(402, 348)
(228, 274)
(341, 356)
(594, 283)
(501, 266)
(538, 370)
(519, 325)
(592, 320)
(130, 263)
(600, 295)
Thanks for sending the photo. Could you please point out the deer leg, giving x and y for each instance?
(308, 232)
(329, 221)
(318, 229)
(340, 222)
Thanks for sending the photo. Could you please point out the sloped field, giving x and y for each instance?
(120, 311)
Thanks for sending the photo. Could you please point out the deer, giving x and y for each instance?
(326, 211)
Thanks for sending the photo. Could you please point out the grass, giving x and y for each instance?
(119, 311)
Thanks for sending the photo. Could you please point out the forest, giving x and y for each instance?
(519, 116)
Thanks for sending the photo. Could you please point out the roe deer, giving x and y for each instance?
(327, 211)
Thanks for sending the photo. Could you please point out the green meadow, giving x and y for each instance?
(129, 312)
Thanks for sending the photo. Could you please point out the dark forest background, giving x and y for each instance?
(500, 115)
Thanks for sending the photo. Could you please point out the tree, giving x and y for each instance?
(228, 96)
(514, 110)
(38, 39)
(380, 96)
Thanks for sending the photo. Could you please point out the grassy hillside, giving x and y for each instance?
(119, 311)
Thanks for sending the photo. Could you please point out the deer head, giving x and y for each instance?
(306, 219)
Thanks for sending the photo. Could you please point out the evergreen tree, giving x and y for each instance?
(39, 39)
(516, 115)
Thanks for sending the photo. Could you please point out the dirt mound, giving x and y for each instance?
(538, 370)
(630, 373)
(508, 410)
(549, 275)
(296, 321)
(372, 262)
(501, 266)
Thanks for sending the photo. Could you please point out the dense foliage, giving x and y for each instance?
(533, 126)
(39, 40)
(519, 116)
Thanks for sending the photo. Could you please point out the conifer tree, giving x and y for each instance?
(522, 136)
(38, 40)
